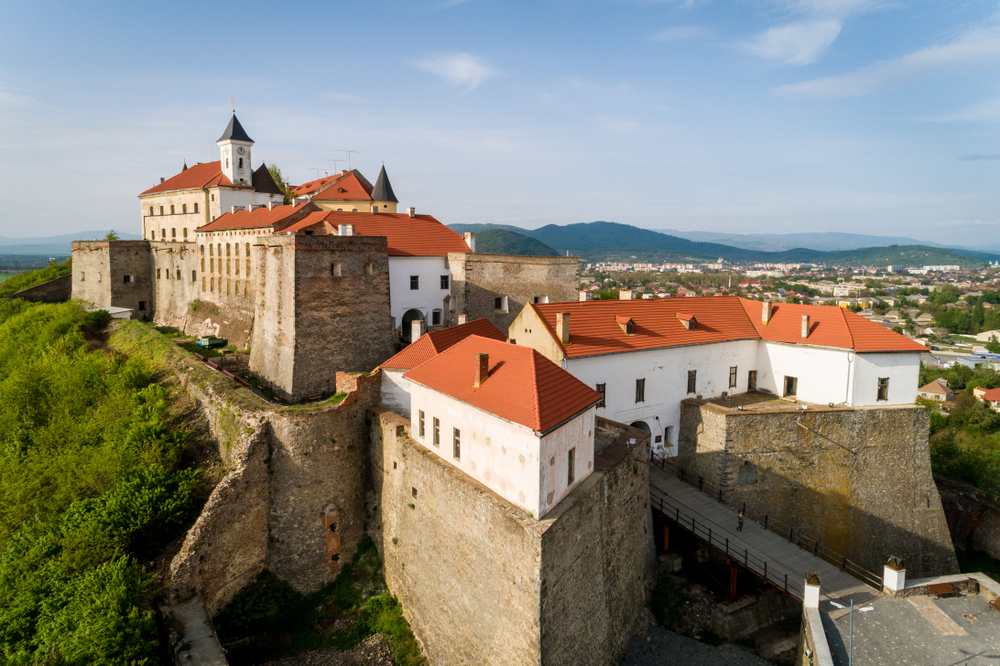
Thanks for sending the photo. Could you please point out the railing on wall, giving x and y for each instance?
(703, 530)
(787, 532)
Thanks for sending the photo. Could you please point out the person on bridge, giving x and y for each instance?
(739, 519)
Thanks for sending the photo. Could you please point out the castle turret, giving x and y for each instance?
(234, 147)
(382, 195)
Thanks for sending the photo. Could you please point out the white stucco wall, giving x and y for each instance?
(503, 456)
(823, 374)
(901, 368)
(396, 391)
(428, 297)
(665, 372)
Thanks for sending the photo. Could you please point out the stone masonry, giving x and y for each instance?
(857, 479)
(114, 273)
(477, 280)
(483, 582)
(322, 307)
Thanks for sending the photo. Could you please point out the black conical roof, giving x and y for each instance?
(235, 131)
(383, 188)
(263, 181)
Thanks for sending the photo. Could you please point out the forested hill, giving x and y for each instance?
(501, 241)
(610, 241)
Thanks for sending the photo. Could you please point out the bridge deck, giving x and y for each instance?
(754, 544)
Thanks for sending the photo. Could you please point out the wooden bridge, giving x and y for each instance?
(758, 549)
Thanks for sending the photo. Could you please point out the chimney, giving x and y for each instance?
(562, 327)
(463, 319)
(161, 179)
(235, 208)
(765, 313)
(374, 210)
(894, 575)
(811, 589)
(482, 369)
(586, 296)
(470, 240)
(625, 295)
(345, 229)
(417, 328)
(270, 205)
(411, 211)
(805, 326)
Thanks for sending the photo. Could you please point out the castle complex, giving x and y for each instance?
(496, 431)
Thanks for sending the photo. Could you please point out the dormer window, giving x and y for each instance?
(626, 324)
(688, 321)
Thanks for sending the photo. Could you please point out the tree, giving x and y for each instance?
(279, 180)
(112, 236)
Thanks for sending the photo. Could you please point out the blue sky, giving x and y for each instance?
(758, 116)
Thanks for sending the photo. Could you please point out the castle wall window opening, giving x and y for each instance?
(692, 381)
(603, 390)
(445, 281)
(421, 422)
(883, 389)
(173, 232)
(184, 208)
(640, 390)
(161, 210)
(732, 377)
(437, 431)
(456, 448)
(414, 282)
(171, 209)
(571, 459)
(196, 207)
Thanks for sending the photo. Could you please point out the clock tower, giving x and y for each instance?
(234, 147)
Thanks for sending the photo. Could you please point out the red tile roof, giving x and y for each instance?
(348, 187)
(992, 395)
(420, 236)
(594, 325)
(936, 387)
(252, 219)
(200, 175)
(523, 386)
(432, 344)
(318, 184)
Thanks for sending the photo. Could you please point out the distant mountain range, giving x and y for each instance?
(55, 246)
(610, 241)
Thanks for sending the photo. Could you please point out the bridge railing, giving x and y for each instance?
(708, 532)
(788, 532)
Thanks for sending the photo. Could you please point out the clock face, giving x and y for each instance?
(240, 150)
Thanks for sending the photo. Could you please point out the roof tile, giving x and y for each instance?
(432, 344)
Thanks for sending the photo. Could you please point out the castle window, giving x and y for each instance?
(421, 424)
(248, 267)
(370, 268)
(184, 208)
(163, 234)
(228, 285)
(211, 285)
(732, 377)
(414, 282)
(571, 472)
(204, 284)
(152, 235)
(791, 385)
(129, 279)
(178, 274)
(436, 318)
(603, 390)
(218, 249)
(142, 305)
(173, 233)
(151, 211)
(194, 276)
(335, 269)
(640, 390)
(456, 444)
(211, 264)
(211, 251)
(83, 276)
(213, 197)
(227, 249)
(248, 249)
(500, 303)
(185, 232)
(236, 249)
(227, 162)
(161, 210)
(437, 432)
(883, 388)
(237, 267)
(157, 273)
(692, 380)
(241, 162)
(444, 281)
(203, 264)
(171, 209)
(228, 266)
(196, 208)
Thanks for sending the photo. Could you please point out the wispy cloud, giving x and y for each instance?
(975, 51)
(978, 158)
(682, 33)
(988, 110)
(10, 99)
(462, 70)
(795, 43)
(829, 8)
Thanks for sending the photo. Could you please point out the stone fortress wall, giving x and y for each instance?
(484, 582)
(477, 280)
(114, 273)
(858, 479)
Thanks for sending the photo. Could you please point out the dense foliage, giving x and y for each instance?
(89, 487)
(31, 278)
(501, 241)
(965, 442)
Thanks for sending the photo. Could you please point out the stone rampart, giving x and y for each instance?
(858, 480)
(114, 274)
(483, 582)
(973, 517)
(53, 291)
(477, 280)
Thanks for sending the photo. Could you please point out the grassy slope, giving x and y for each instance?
(27, 279)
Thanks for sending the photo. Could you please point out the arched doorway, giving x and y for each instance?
(641, 425)
(408, 318)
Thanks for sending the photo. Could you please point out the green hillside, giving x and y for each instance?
(501, 241)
